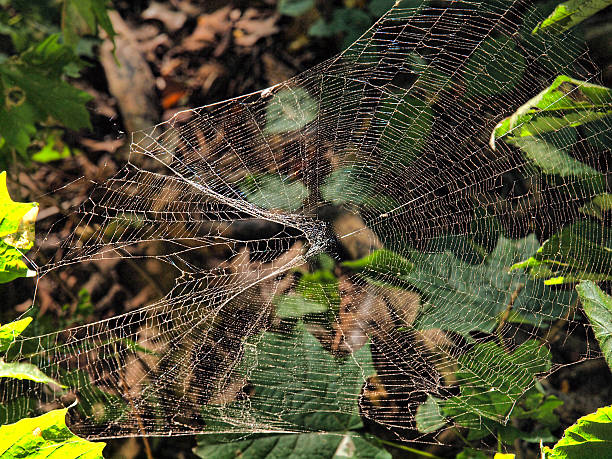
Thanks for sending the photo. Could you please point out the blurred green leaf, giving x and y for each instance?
(296, 306)
(567, 102)
(320, 287)
(49, 153)
(10, 331)
(294, 7)
(495, 66)
(274, 192)
(381, 264)
(591, 436)
(290, 109)
(580, 251)
(46, 436)
(80, 17)
(33, 91)
(598, 307)
(25, 370)
(568, 14)
(429, 417)
(348, 184)
(350, 22)
(598, 206)
(404, 122)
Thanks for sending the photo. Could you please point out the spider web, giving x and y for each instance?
(257, 206)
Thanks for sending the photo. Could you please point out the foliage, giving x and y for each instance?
(567, 102)
(489, 395)
(598, 307)
(470, 295)
(591, 436)
(568, 14)
(45, 436)
(17, 233)
(579, 251)
(34, 92)
(268, 360)
(274, 192)
(290, 110)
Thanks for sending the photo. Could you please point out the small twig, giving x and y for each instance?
(506, 313)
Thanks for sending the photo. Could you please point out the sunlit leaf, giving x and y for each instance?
(580, 251)
(568, 14)
(10, 331)
(567, 102)
(590, 437)
(598, 307)
(25, 370)
(46, 436)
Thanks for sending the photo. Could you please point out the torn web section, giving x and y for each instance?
(374, 168)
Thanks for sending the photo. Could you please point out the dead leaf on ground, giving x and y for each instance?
(251, 27)
(173, 20)
(208, 28)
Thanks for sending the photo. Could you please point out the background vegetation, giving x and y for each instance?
(67, 102)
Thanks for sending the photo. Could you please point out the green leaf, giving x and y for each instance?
(308, 445)
(49, 153)
(34, 91)
(290, 110)
(81, 17)
(296, 306)
(567, 102)
(429, 417)
(381, 264)
(485, 76)
(25, 370)
(568, 14)
(9, 332)
(17, 232)
(294, 7)
(16, 219)
(591, 437)
(492, 380)
(462, 297)
(580, 251)
(301, 385)
(598, 307)
(274, 192)
(598, 206)
(320, 287)
(46, 436)
(345, 185)
(297, 384)
(404, 122)
(556, 161)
